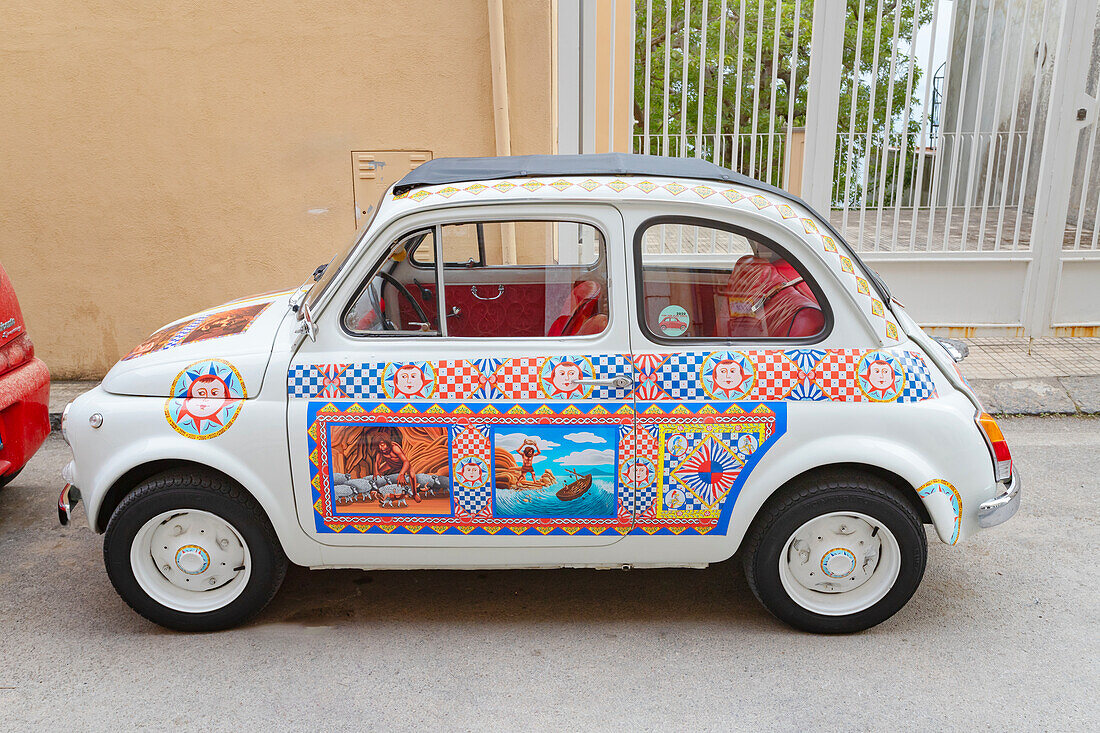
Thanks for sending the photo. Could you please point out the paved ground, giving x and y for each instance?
(1004, 632)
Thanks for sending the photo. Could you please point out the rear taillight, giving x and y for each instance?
(998, 446)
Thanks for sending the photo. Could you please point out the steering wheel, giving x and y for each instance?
(387, 324)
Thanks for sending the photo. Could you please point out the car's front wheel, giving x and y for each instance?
(835, 554)
(193, 552)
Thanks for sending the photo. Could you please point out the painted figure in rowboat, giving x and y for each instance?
(576, 488)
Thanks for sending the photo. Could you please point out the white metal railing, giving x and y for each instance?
(991, 156)
(758, 156)
(716, 69)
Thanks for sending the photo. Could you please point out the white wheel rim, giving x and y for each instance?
(190, 560)
(839, 563)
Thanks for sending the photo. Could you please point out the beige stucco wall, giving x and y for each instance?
(158, 157)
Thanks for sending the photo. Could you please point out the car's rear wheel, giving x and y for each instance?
(193, 552)
(837, 553)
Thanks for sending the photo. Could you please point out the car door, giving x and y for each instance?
(508, 421)
(727, 329)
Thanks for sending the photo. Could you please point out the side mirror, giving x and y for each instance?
(305, 323)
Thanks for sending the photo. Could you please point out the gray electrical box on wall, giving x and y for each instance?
(373, 171)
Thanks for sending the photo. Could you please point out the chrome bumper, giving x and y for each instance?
(70, 495)
(1001, 508)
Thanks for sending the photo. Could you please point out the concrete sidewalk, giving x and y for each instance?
(1058, 376)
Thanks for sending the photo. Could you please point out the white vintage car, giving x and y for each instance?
(604, 361)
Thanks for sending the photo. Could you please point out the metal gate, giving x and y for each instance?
(953, 142)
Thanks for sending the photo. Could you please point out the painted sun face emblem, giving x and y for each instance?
(206, 399)
(637, 473)
(562, 379)
(881, 378)
(727, 375)
(472, 472)
(409, 381)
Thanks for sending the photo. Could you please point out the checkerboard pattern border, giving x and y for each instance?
(790, 375)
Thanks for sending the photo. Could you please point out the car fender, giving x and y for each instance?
(106, 455)
(777, 468)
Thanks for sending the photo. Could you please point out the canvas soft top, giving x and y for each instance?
(459, 170)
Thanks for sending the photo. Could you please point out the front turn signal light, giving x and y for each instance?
(998, 446)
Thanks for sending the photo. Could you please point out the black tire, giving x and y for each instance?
(782, 516)
(8, 478)
(209, 493)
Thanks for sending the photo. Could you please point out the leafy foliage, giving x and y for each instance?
(734, 101)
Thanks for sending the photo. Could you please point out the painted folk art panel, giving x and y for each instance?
(521, 446)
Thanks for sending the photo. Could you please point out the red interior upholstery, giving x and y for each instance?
(782, 309)
(581, 307)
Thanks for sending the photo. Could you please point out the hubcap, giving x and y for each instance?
(839, 563)
(190, 560)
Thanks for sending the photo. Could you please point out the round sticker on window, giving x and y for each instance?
(673, 321)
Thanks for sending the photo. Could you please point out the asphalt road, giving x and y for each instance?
(1004, 632)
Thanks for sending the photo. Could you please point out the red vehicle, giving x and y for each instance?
(24, 389)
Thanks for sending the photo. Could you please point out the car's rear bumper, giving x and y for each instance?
(24, 413)
(1002, 507)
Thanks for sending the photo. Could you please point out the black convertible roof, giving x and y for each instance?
(458, 170)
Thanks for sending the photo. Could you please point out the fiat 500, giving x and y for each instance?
(542, 362)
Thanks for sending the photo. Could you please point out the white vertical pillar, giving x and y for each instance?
(823, 102)
(1052, 193)
(568, 59)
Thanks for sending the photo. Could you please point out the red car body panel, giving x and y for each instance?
(24, 387)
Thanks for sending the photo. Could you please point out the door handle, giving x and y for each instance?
(614, 382)
(500, 292)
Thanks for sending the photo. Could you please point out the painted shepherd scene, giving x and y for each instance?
(560, 471)
(388, 469)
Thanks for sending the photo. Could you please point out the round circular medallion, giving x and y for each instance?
(881, 376)
(192, 559)
(471, 472)
(673, 320)
(727, 375)
(206, 398)
(409, 381)
(838, 563)
(560, 377)
(637, 473)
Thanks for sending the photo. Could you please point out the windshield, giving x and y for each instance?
(336, 265)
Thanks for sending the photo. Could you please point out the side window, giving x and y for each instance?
(700, 281)
(399, 298)
(511, 279)
(523, 279)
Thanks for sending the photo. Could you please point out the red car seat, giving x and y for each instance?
(581, 306)
(765, 300)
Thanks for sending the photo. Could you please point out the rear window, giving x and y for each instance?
(707, 280)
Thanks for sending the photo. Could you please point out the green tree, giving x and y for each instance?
(762, 58)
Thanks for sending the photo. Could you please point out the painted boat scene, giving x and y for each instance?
(555, 472)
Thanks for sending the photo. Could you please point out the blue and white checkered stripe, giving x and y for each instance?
(679, 376)
(363, 381)
(918, 380)
(609, 366)
(643, 497)
(302, 380)
(472, 500)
